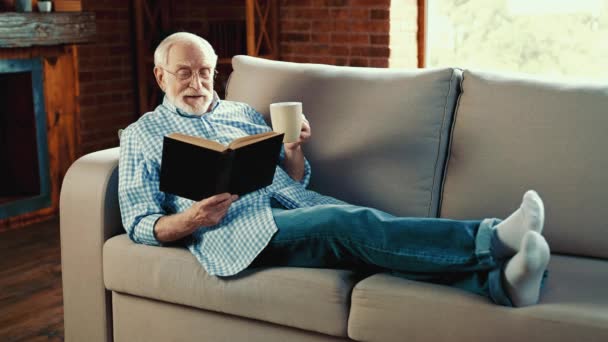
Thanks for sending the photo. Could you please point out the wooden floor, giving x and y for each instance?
(31, 302)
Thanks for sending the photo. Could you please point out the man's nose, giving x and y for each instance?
(195, 81)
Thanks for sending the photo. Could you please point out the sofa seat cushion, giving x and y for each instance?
(310, 299)
(574, 307)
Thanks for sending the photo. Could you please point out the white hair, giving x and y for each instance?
(161, 54)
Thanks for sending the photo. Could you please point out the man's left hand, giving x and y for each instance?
(305, 134)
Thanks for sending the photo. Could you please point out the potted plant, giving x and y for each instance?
(23, 5)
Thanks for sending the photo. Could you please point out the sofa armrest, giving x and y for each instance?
(89, 215)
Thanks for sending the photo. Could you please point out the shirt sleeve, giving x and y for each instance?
(138, 195)
(258, 119)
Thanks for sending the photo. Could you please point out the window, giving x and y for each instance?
(554, 38)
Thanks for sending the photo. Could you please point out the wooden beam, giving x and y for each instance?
(421, 32)
(250, 19)
(31, 29)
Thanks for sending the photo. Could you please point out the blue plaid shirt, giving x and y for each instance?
(230, 246)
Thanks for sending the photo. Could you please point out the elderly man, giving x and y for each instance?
(286, 224)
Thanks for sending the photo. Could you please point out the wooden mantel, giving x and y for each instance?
(54, 28)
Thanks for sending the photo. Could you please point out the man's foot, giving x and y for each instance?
(524, 271)
(530, 216)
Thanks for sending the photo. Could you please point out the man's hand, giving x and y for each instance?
(205, 213)
(305, 134)
(210, 211)
(294, 156)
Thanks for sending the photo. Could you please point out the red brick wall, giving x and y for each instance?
(106, 75)
(349, 32)
(376, 33)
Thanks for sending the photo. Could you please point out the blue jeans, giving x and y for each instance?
(444, 251)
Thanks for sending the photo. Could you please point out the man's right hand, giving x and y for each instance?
(210, 211)
(205, 213)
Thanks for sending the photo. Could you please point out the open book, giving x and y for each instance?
(197, 168)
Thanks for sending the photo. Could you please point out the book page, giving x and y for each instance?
(251, 139)
(198, 141)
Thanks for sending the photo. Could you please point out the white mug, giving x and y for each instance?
(286, 117)
(44, 6)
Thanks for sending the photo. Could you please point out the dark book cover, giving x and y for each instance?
(198, 172)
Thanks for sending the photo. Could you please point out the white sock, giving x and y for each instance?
(530, 216)
(524, 271)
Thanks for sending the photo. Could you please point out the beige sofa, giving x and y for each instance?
(438, 143)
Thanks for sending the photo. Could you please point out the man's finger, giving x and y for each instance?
(224, 204)
(216, 199)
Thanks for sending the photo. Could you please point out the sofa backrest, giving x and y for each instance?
(379, 136)
(511, 134)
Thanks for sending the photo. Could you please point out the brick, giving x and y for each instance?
(88, 101)
(301, 49)
(338, 50)
(338, 3)
(379, 39)
(359, 62)
(322, 26)
(297, 59)
(379, 14)
(340, 13)
(370, 26)
(341, 61)
(286, 48)
(320, 49)
(342, 26)
(340, 38)
(295, 37)
(320, 38)
(86, 76)
(347, 38)
(378, 63)
(106, 98)
(371, 3)
(370, 51)
(379, 52)
(296, 3)
(305, 13)
(359, 38)
(359, 13)
(295, 26)
(319, 3)
(323, 60)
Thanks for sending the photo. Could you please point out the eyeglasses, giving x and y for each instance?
(185, 74)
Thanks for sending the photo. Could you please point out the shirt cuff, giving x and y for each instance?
(144, 231)
(307, 171)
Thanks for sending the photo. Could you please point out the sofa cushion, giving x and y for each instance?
(311, 299)
(574, 307)
(379, 136)
(513, 134)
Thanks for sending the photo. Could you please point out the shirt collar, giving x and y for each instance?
(171, 107)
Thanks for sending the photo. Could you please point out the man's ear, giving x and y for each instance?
(158, 74)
